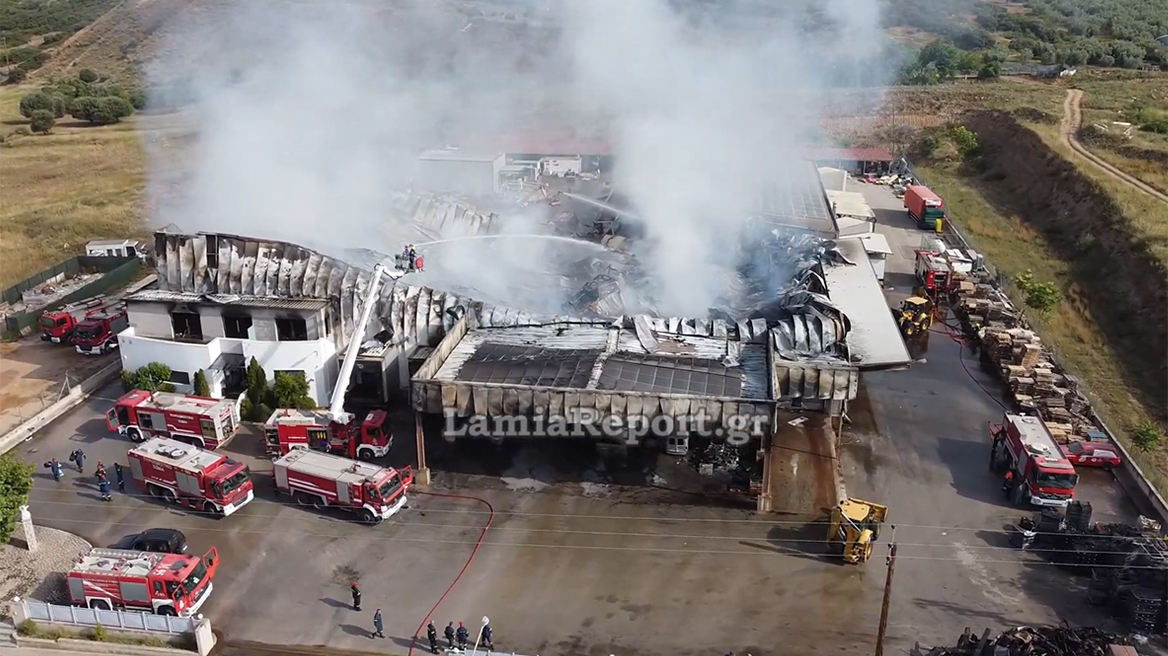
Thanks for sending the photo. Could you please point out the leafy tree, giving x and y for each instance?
(154, 377)
(16, 75)
(15, 486)
(202, 387)
(1147, 437)
(991, 70)
(104, 110)
(964, 139)
(291, 391)
(42, 121)
(36, 102)
(1043, 297)
(257, 383)
(87, 76)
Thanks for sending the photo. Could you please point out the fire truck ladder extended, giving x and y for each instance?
(336, 410)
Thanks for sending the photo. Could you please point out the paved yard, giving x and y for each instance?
(33, 373)
(580, 566)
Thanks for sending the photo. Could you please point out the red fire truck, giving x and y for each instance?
(166, 584)
(181, 473)
(1037, 471)
(322, 480)
(57, 325)
(289, 429)
(98, 334)
(206, 423)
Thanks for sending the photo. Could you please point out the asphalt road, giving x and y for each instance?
(919, 442)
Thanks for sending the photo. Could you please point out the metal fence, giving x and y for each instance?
(118, 271)
(114, 620)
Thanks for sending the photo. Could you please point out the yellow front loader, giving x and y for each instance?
(855, 525)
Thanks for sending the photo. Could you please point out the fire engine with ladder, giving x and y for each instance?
(187, 475)
(334, 430)
(166, 584)
(57, 326)
(203, 422)
(1037, 471)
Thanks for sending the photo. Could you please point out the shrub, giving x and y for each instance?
(42, 121)
(964, 139)
(87, 76)
(22, 131)
(15, 485)
(27, 628)
(100, 110)
(35, 102)
(202, 387)
(99, 633)
(16, 75)
(1043, 297)
(290, 390)
(1157, 125)
(154, 377)
(1147, 437)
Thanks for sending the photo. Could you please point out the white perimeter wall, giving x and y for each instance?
(316, 358)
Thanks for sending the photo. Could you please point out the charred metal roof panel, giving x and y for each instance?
(507, 364)
(163, 296)
(669, 375)
(874, 341)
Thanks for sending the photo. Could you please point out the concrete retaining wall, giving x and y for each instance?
(121, 623)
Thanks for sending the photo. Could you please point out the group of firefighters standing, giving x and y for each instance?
(77, 457)
(456, 638)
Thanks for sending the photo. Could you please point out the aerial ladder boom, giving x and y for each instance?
(336, 410)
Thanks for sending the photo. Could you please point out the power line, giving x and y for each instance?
(501, 513)
(756, 550)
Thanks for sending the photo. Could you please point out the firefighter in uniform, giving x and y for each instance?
(432, 636)
(463, 636)
(449, 633)
(356, 595)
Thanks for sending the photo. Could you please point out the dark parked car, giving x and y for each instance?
(160, 540)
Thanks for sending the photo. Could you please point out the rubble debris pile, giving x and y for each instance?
(1035, 381)
(1128, 565)
(1031, 641)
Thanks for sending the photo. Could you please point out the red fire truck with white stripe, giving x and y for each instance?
(181, 473)
(57, 325)
(321, 480)
(166, 584)
(1039, 473)
(206, 423)
(291, 428)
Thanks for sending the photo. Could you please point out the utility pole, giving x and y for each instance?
(887, 597)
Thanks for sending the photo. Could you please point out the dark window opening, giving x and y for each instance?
(186, 325)
(180, 378)
(236, 327)
(291, 330)
(212, 252)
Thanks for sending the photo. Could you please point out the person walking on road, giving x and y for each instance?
(463, 636)
(356, 596)
(104, 486)
(120, 476)
(78, 458)
(100, 471)
(449, 633)
(488, 634)
(378, 626)
(55, 468)
(432, 636)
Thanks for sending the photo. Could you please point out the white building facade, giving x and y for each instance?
(220, 335)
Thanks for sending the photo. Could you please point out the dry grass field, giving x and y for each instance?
(63, 189)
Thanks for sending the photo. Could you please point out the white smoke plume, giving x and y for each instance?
(310, 114)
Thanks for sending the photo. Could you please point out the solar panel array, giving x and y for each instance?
(658, 375)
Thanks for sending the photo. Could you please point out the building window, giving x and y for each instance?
(236, 327)
(180, 378)
(292, 330)
(212, 252)
(186, 325)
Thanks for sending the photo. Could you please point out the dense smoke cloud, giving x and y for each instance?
(311, 114)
